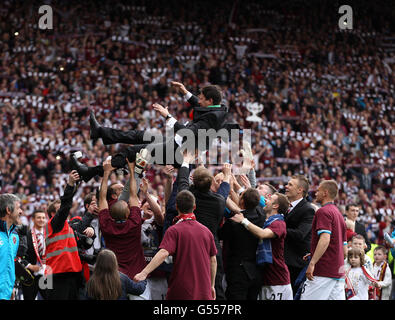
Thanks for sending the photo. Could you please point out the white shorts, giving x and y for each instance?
(276, 293)
(323, 288)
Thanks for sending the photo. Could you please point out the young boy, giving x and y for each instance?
(358, 242)
(382, 273)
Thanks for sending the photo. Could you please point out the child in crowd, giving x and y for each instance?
(382, 273)
(358, 242)
(358, 278)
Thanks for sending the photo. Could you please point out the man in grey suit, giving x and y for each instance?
(298, 220)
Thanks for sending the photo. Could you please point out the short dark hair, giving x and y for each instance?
(185, 201)
(212, 92)
(202, 179)
(111, 191)
(35, 213)
(348, 206)
(51, 208)
(88, 198)
(283, 202)
(382, 248)
(251, 198)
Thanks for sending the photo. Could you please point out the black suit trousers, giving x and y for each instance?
(30, 292)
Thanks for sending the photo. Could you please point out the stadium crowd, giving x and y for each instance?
(327, 94)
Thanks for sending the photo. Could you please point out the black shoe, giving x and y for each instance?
(86, 173)
(81, 168)
(95, 130)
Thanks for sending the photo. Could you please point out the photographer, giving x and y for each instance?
(88, 246)
(63, 261)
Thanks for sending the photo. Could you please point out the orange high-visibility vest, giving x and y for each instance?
(61, 250)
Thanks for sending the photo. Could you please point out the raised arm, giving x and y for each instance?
(224, 188)
(133, 199)
(66, 202)
(155, 207)
(255, 230)
(107, 168)
(168, 171)
(126, 189)
(183, 172)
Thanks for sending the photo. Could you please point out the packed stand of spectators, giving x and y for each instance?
(328, 95)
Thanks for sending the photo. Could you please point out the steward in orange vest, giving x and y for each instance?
(63, 264)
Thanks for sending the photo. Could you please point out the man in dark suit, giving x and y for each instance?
(240, 245)
(210, 206)
(35, 255)
(352, 211)
(298, 220)
(207, 113)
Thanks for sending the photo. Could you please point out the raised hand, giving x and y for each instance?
(107, 167)
(188, 157)
(93, 208)
(73, 177)
(144, 185)
(161, 109)
(168, 171)
(244, 181)
(179, 86)
(227, 169)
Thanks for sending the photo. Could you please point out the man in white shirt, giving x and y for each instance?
(35, 255)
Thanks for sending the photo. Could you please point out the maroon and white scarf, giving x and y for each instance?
(41, 259)
(184, 217)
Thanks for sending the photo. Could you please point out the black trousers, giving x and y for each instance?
(30, 292)
(243, 282)
(66, 286)
(219, 290)
(167, 147)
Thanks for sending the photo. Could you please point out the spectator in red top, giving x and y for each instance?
(193, 248)
(121, 225)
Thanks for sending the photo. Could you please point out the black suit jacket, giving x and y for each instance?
(210, 206)
(30, 256)
(298, 238)
(240, 243)
(204, 118)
